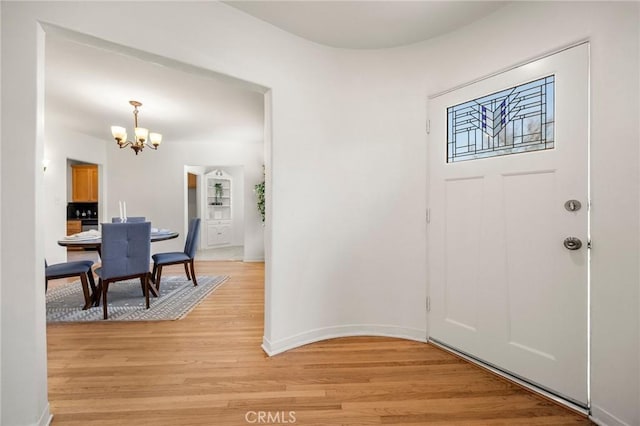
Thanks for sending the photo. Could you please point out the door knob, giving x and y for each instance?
(572, 243)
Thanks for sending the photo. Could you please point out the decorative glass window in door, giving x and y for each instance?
(514, 120)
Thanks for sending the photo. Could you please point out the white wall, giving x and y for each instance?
(1, 245)
(346, 229)
(24, 363)
(638, 120)
(242, 196)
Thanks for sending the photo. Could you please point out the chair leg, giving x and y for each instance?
(186, 271)
(193, 273)
(92, 284)
(98, 293)
(146, 288)
(85, 291)
(158, 278)
(105, 287)
(142, 285)
(153, 273)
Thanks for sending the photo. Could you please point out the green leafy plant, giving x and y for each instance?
(259, 189)
(218, 189)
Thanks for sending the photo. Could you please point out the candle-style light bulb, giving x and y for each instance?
(118, 132)
(155, 138)
(141, 134)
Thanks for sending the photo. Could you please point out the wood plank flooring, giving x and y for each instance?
(209, 369)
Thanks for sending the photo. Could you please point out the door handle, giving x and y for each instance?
(572, 243)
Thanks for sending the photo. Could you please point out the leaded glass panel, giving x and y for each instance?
(514, 120)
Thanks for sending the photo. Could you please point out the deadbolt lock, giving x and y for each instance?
(572, 205)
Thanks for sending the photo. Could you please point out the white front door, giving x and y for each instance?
(504, 287)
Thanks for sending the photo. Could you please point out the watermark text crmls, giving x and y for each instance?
(270, 417)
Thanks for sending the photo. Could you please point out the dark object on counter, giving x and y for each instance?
(82, 211)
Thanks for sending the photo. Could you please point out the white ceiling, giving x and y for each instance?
(368, 24)
(88, 88)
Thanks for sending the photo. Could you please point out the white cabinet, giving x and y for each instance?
(218, 195)
(218, 233)
(219, 208)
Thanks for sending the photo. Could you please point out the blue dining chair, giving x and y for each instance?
(79, 268)
(125, 255)
(172, 258)
(131, 219)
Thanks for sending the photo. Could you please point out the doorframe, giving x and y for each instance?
(188, 169)
(483, 364)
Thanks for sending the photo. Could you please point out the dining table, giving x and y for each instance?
(93, 240)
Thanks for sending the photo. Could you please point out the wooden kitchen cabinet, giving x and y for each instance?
(84, 182)
(74, 227)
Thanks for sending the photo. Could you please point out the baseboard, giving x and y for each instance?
(318, 334)
(602, 417)
(258, 259)
(46, 417)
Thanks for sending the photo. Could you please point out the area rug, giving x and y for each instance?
(177, 298)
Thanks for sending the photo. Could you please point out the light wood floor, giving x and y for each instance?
(209, 369)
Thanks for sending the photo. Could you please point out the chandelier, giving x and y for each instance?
(142, 135)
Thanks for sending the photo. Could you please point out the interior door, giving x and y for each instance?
(507, 154)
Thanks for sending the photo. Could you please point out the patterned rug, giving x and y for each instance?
(177, 298)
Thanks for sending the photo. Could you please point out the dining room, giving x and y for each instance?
(206, 119)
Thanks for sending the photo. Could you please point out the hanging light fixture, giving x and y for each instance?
(142, 135)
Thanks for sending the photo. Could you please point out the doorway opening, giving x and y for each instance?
(216, 194)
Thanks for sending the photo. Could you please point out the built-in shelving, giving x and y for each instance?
(219, 208)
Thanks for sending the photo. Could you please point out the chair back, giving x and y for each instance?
(130, 219)
(126, 249)
(191, 244)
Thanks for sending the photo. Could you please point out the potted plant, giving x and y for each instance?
(218, 193)
(259, 189)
